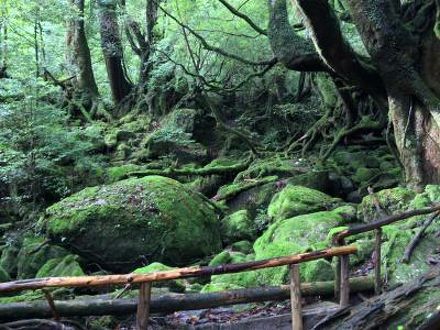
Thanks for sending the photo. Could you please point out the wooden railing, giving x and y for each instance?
(340, 250)
(146, 280)
(339, 239)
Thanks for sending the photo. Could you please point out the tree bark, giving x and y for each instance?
(112, 50)
(411, 81)
(78, 56)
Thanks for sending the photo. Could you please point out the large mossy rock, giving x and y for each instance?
(291, 236)
(117, 225)
(34, 254)
(238, 226)
(297, 200)
(391, 200)
(64, 266)
(175, 136)
(398, 236)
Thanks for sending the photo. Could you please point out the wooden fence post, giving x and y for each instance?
(345, 284)
(377, 261)
(143, 307)
(295, 297)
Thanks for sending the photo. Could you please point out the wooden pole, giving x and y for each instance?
(105, 305)
(143, 307)
(377, 262)
(295, 298)
(90, 281)
(344, 291)
(358, 229)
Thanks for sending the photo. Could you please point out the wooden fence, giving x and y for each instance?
(340, 250)
(146, 280)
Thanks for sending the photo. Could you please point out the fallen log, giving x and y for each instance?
(204, 171)
(413, 305)
(89, 281)
(171, 303)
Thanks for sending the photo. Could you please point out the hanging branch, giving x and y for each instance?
(244, 17)
(210, 47)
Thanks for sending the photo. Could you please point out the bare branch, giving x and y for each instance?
(210, 47)
(243, 16)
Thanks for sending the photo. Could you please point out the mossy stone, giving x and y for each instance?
(4, 276)
(242, 246)
(57, 267)
(174, 285)
(392, 200)
(116, 225)
(33, 255)
(238, 226)
(8, 260)
(363, 174)
(291, 236)
(297, 200)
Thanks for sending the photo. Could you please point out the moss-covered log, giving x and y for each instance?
(204, 171)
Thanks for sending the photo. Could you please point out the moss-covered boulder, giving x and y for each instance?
(391, 200)
(8, 260)
(34, 254)
(398, 236)
(64, 266)
(119, 224)
(174, 285)
(238, 226)
(175, 136)
(297, 200)
(291, 236)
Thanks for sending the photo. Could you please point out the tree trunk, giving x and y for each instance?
(112, 49)
(78, 57)
(408, 62)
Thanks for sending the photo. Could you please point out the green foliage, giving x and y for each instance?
(43, 155)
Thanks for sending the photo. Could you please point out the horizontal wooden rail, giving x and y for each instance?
(358, 229)
(169, 303)
(89, 281)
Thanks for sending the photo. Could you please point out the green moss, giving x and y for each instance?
(154, 216)
(238, 226)
(222, 258)
(215, 287)
(57, 267)
(116, 173)
(33, 256)
(396, 242)
(174, 285)
(297, 200)
(4, 276)
(8, 260)
(291, 236)
(264, 167)
(242, 246)
(392, 200)
(103, 323)
(363, 175)
(317, 270)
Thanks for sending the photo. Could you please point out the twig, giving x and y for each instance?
(410, 248)
(51, 303)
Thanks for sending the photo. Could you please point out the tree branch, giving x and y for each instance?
(336, 52)
(210, 47)
(243, 16)
(293, 51)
